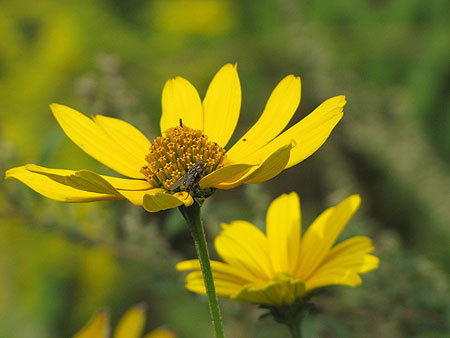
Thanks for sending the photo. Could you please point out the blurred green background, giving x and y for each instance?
(61, 262)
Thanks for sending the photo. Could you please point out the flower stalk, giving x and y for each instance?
(295, 330)
(192, 215)
(291, 315)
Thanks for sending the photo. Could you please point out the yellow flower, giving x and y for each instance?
(280, 267)
(193, 131)
(130, 326)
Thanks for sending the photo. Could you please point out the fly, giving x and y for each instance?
(191, 178)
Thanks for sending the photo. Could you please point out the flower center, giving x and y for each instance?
(171, 156)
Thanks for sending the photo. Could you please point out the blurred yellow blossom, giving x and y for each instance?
(130, 325)
(280, 267)
(212, 17)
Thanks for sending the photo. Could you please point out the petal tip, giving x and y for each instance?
(355, 200)
(141, 307)
(293, 78)
(8, 174)
(184, 265)
(229, 67)
(343, 100)
(376, 262)
(56, 107)
(293, 194)
(13, 173)
(31, 167)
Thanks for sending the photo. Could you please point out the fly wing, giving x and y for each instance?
(178, 182)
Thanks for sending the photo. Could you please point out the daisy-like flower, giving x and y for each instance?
(193, 132)
(280, 267)
(130, 325)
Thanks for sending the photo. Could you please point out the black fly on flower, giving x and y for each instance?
(191, 178)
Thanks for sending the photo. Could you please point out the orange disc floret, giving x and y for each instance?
(171, 156)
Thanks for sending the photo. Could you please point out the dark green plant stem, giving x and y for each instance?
(295, 329)
(192, 215)
(291, 315)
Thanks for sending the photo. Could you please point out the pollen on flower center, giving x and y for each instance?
(172, 155)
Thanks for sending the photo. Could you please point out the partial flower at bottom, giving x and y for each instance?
(130, 325)
(280, 267)
(192, 132)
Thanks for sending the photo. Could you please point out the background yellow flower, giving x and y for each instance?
(280, 267)
(130, 325)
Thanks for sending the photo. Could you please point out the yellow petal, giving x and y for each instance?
(333, 277)
(192, 264)
(127, 184)
(358, 245)
(283, 232)
(54, 190)
(225, 174)
(220, 270)
(180, 100)
(132, 190)
(219, 278)
(125, 134)
(83, 179)
(132, 323)
(223, 287)
(117, 182)
(321, 235)
(161, 333)
(370, 263)
(244, 246)
(352, 254)
(93, 139)
(271, 167)
(137, 196)
(353, 263)
(222, 105)
(97, 327)
(156, 201)
(343, 263)
(309, 134)
(280, 108)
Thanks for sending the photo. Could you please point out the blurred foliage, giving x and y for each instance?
(59, 263)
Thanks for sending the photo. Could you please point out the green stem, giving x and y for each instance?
(295, 329)
(292, 315)
(192, 215)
